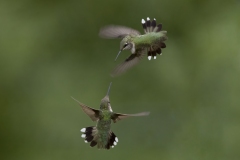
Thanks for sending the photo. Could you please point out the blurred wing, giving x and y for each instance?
(116, 31)
(131, 61)
(92, 113)
(118, 116)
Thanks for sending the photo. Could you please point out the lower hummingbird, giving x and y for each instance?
(150, 43)
(101, 134)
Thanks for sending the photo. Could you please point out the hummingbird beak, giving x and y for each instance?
(118, 54)
(109, 89)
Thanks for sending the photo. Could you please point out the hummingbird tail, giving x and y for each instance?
(151, 26)
(112, 140)
(89, 134)
(92, 136)
(154, 50)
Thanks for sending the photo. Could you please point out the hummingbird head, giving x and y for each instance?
(126, 44)
(105, 102)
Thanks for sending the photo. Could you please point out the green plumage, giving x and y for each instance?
(149, 39)
(103, 127)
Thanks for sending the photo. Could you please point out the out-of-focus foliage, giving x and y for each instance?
(50, 51)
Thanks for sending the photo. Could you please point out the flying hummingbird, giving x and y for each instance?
(150, 43)
(101, 134)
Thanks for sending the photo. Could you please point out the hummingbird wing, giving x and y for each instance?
(116, 31)
(131, 61)
(92, 113)
(118, 116)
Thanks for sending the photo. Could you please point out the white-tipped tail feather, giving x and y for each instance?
(83, 130)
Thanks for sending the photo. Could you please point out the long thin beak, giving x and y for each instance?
(118, 54)
(109, 89)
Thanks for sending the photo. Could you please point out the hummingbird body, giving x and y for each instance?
(148, 40)
(149, 43)
(101, 134)
(104, 128)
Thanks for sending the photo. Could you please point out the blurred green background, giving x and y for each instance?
(50, 51)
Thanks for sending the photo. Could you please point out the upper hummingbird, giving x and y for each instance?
(150, 43)
(101, 134)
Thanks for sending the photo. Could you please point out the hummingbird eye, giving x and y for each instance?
(125, 45)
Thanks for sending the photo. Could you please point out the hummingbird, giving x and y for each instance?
(150, 43)
(101, 134)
